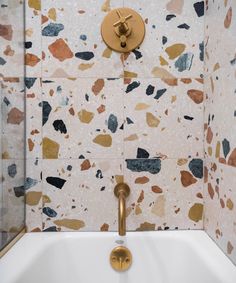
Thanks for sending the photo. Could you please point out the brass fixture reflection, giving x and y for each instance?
(123, 29)
(122, 191)
(120, 258)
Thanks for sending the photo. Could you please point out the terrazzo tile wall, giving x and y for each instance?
(12, 208)
(96, 117)
(220, 125)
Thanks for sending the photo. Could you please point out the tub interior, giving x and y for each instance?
(163, 258)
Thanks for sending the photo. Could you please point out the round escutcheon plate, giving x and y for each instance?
(135, 35)
(120, 258)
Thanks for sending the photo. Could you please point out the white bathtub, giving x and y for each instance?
(160, 257)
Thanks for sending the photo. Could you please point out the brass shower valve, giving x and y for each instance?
(123, 29)
(122, 23)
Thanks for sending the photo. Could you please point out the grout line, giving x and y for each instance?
(12, 242)
(219, 245)
(112, 77)
(214, 160)
(117, 158)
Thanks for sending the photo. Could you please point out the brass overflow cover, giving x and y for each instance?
(121, 258)
(123, 29)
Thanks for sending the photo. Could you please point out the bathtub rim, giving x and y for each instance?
(198, 238)
(14, 240)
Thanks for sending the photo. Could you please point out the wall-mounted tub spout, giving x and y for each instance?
(122, 191)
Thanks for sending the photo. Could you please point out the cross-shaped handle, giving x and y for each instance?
(122, 23)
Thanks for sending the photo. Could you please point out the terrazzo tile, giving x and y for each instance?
(75, 48)
(220, 115)
(163, 118)
(12, 196)
(70, 205)
(33, 40)
(11, 39)
(169, 196)
(173, 45)
(82, 118)
(2, 209)
(78, 194)
(33, 118)
(13, 116)
(220, 45)
(220, 127)
(34, 195)
(220, 200)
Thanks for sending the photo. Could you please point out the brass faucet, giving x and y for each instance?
(122, 191)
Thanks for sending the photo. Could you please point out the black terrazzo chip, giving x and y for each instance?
(51, 229)
(56, 182)
(60, 126)
(150, 90)
(196, 167)
(28, 44)
(199, 8)
(137, 54)
(49, 212)
(152, 166)
(84, 55)
(142, 153)
(29, 82)
(19, 191)
(169, 17)
(132, 86)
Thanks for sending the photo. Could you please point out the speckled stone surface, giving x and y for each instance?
(160, 201)
(12, 117)
(96, 117)
(11, 158)
(220, 199)
(33, 96)
(84, 117)
(34, 194)
(173, 46)
(163, 117)
(220, 126)
(71, 42)
(12, 39)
